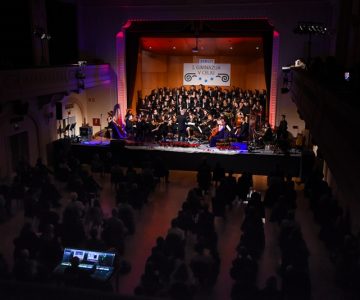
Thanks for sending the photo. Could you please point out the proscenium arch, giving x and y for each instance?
(127, 45)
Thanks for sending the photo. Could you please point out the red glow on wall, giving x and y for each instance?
(274, 74)
(127, 24)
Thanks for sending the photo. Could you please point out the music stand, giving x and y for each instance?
(66, 129)
(72, 129)
(59, 130)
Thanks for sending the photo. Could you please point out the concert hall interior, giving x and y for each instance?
(179, 149)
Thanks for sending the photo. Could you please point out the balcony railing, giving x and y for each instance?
(27, 83)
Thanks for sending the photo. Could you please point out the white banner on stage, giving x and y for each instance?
(207, 73)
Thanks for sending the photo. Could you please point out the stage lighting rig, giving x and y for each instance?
(310, 28)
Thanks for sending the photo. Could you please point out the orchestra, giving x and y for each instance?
(204, 115)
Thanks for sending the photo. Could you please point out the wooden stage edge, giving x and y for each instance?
(257, 162)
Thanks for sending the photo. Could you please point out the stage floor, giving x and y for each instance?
(188, 155)
(187, 147)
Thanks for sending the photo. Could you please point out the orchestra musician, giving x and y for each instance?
(268, 135)
(201, 108)
(242, 132)
(115, 124)
(163, 128)
(172, 126)
(141, 127)
(191, 126)
(220, 132)
(257, 110)
(207, 124)
(129, 125)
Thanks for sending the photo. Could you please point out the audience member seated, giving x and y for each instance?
(94, 242)
(244, 267)
(127, 215)
(270, 291)
(25, 268)
(203, 266)
(28, 240)
(78, 277)
(4, 269)
(114, 232)
(50, 249)
(218, 173)
(204, 176)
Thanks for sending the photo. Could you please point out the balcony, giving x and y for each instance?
(28, 83)
(332, 120)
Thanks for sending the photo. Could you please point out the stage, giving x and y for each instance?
(188, 155)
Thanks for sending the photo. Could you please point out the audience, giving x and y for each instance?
(172, 270)
(39, 246)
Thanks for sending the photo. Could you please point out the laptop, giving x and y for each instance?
(103, 262)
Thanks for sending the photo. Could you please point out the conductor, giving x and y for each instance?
(181, 120)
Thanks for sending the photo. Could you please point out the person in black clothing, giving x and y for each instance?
(129, 126)
(282, 129)
(77, 277)
(244, 130)
(282, 136)
(268, 134)
(204, 176)
(181, 119)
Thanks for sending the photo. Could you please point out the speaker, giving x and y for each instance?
(59, 113)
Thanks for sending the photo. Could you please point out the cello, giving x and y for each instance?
(214, 132)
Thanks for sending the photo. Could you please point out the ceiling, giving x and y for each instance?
(223, 46)
(137, 3)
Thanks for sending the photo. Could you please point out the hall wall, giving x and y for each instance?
(99, 22)
(167, 70)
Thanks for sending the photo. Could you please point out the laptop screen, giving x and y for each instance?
(86, 257)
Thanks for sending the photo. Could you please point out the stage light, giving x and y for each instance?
(230, 47)
(174, 48)
(310, 28)
(45, 36)
(257, 48)
(41, 34)
(196, 48)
